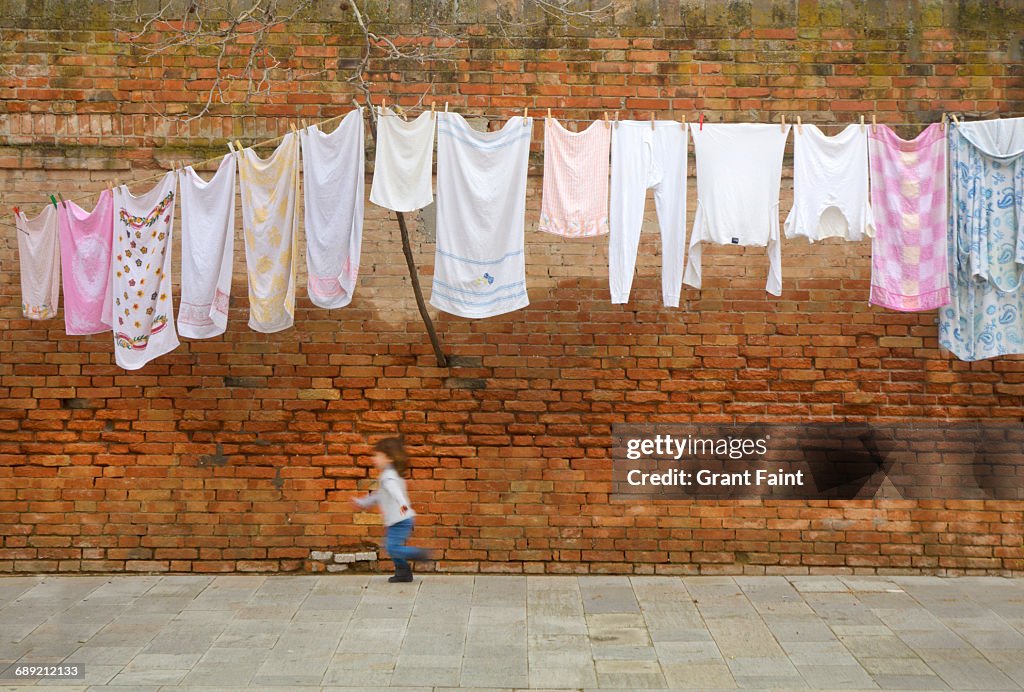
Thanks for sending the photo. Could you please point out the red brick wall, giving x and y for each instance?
(240, 453)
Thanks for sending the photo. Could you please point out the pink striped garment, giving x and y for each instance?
(908, 194)
(575, 189)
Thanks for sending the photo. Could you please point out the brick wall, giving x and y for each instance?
(240, 453)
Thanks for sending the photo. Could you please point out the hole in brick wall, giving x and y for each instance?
(75, 403)
(465, 361)
(250, 382)
(215, 459)
(465, 383)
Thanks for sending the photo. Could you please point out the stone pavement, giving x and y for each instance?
(442, 631)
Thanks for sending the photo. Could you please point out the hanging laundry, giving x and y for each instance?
(207, 249)
(403, 163)
(908, 193)
(270, 193)
(333, 172)
(739, 171)
(830, 185)
(143, 306)
(985, 317)
(574, 202)
(646, 157)
(479, 266)
(39, 260)
(85, 242)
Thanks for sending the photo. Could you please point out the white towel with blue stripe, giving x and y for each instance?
(479, 265)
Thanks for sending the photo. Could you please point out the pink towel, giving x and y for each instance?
(575, 187)
(85, 242)
(908, 194)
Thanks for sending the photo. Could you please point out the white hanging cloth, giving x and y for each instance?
(39, 261)
(403, 162)
(207, 249)
(479, 266)
(143, 309)
(830, 185)
(270, 194)
(333, 170)
(739, 171)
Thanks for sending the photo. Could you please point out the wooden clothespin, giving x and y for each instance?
(525, 116)
(606, 123)
(239, 145)
(943, 125)
(383, 105)
(616, 119)
(293, 127)
(862, 123)
(432, 113)
(303, 122)
(549, 114)
(783, 124)
(652, 120)
(874, 123)
(445, 106)
(953, 116)
(683, 121)
(62, 202)
(799, 125)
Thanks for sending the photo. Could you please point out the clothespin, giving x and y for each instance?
(955, 121)
(783, 124)
(62, 202)
(293, 127)
(606, 123)
(943, 125)
(445, 106)
(701, 128)
(874, 123)
(684, 121)
(799, 125)
(239, 145)
(652, 120)
(862, 123)
(231, 147)
(616, 119)
(432, 113)
(383, 105)
(16, 211)
(549, 114)
(525, 116)
(303, 124)
(54, 201)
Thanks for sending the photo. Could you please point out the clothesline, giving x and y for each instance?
(526, 110)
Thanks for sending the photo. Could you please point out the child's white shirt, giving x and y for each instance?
(391, 497)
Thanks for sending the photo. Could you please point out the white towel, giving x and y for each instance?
(479, 267)
(207, 249)
(141, 274)
(39, 260)
(830, 185)
(333, 186)
(403, 162)
(739, 170)
(270, 194)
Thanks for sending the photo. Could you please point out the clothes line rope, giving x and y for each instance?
(403, 112)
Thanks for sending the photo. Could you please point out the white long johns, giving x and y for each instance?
(646, 157)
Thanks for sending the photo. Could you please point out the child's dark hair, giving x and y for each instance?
(394, 449)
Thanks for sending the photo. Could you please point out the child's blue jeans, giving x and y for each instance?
(394, 543)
